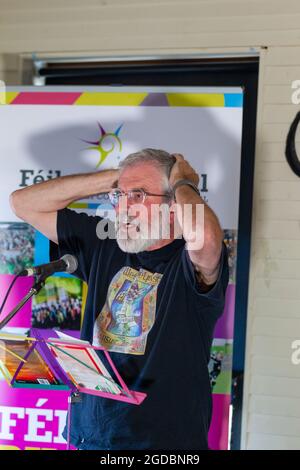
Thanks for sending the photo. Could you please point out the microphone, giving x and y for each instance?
(67, 263)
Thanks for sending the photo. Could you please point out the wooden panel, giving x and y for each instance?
(277, 425)
(276, 171)
(282, 75)
(278, 269)
(278, 94)
(277, 132)
(283, 56)
(272, 346)
(277, 190)
(146, 18)
(69, 38)
(278, 210)
(275, 386)
(272, 151)
(276, 367)
(207, 8)
(274, 406)
(272, 442)
(9, 62)
(280, 113)
(278, 289)
(280, 327)
(285, 308)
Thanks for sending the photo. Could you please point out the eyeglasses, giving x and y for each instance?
(134, 196)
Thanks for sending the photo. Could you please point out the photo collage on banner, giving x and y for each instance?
(62, 132)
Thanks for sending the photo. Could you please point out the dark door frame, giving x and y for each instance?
(211, 72)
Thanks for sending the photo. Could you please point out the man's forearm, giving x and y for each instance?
(187, 198)
(204, 251)
(58, 193)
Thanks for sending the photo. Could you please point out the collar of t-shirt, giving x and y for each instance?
(153, 258)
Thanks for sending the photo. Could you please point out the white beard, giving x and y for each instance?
(134, 246)
(140, 240)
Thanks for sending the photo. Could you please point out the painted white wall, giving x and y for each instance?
(271, 416)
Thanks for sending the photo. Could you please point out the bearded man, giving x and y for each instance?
(156, 288)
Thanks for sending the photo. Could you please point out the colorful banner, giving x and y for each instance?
(45, 134)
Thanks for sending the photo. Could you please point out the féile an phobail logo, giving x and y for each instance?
(107, 143)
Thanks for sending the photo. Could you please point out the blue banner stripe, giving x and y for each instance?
(233, 100)
(41, 252)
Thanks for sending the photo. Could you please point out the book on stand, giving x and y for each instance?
(62, 363)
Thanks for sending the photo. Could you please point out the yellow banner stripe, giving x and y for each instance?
(110, 99)
(10, 96)
(78, 205)
(196, 99)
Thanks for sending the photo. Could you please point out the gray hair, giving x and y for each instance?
(160, 158)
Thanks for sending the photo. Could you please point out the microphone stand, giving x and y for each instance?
(39, 282)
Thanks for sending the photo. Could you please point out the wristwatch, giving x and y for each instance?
(185, 182)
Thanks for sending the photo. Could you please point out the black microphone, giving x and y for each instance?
(67, 263)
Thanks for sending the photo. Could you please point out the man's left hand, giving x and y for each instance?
(182, 170)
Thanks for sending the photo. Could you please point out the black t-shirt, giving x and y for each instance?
(158, 326)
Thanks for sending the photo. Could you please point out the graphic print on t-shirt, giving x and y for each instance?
(129, 311)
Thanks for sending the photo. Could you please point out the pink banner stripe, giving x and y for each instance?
(47, 97)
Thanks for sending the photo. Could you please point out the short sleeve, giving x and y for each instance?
(217, 293)
(77, 235)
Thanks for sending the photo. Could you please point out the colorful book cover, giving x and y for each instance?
(35, 371)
